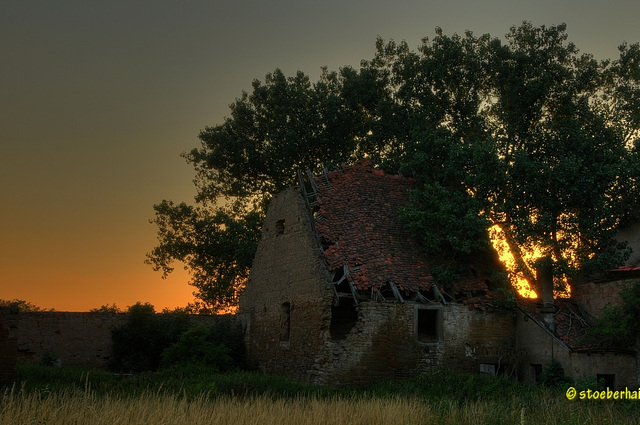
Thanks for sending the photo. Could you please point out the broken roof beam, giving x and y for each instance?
(436, 290)
(421, 298)
(375, 294)
(312, 180)
(396, 292)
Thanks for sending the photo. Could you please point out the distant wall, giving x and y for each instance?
(75, 338)
(8, 344)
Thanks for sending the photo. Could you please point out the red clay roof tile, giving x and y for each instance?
(359, 217)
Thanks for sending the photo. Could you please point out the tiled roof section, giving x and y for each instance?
(571, 323)
(358, 216)
(626, 269)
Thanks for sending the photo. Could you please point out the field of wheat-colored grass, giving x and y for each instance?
(197, 395)
(85, 407)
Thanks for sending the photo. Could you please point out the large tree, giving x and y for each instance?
(526, 133)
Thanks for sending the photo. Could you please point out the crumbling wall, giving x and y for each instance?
(384, 344)
(285, 306)
(288, 303)
(8, 344)
(594, 296)
(538, 347)
(73, 338)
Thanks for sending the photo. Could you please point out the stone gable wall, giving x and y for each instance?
(287, 271)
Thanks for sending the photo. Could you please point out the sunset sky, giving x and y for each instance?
(98, 100)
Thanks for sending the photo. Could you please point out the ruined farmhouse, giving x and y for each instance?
(341, 293)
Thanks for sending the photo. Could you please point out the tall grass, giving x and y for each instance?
(63, 408)
(193, 396)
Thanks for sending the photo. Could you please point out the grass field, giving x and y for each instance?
(46, 395)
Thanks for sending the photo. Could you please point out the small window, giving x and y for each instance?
(536, 371)
(285, 322)
(608, 380)
(280, 227)
(428, 324)
(489, 369)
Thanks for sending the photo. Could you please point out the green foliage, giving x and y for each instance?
(50, 359)
(194, 347)
(150, 341)
(106, 308)
(507, 303)
(446, 222)
(553, 375)
(138, 344)
(526, 133)
(22, 305)
(617, 325)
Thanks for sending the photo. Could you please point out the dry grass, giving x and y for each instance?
(85, 407)
(53, 409)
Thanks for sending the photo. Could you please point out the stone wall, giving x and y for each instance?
(8, 344)
(538, 348)
(74, 338)
(594, 296)
(288, 306)
(384, 344)
(286, 315)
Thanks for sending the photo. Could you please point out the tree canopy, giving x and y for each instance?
(524, 132)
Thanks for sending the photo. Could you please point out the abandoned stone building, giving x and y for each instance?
(340, 293)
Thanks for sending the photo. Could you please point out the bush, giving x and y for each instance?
(553, 375)
(139, 343)
(149, 341)
(195, 347)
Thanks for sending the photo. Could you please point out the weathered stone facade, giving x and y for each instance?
(339, 294)
(538, 346)
(296, 326)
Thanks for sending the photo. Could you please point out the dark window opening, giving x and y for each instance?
(343, 318)
(428, 325)
(285, 322)
(489, 369)
(342, 287)
(536, 371)
(280, 227)
(609, 380)
(386, 292)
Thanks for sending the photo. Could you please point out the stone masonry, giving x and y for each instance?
(8, 344)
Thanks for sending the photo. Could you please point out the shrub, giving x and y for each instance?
(149, 341)
(139, 343)
(553, 375)
(195, 347)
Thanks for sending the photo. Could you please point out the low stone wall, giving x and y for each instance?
(8, 344)
(73, 338)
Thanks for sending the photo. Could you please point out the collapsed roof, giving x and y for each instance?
(356, 211)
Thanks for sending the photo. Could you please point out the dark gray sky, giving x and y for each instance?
(99, 98)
